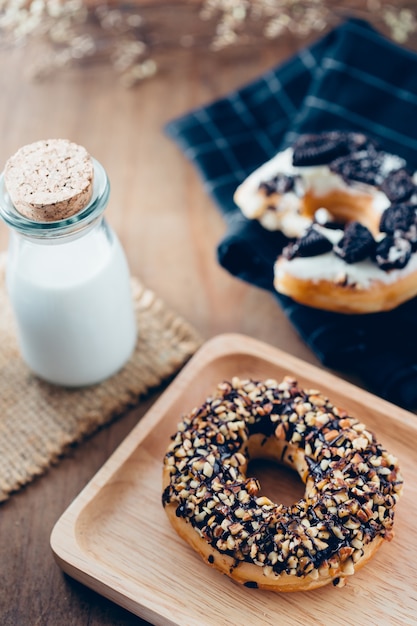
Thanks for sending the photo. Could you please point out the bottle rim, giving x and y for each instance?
(69, 225)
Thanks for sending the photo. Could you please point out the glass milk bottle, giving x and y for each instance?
(67, 275)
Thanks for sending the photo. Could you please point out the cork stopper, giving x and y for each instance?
(49, 180)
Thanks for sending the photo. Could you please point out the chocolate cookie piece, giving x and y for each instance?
(398, 217)
(322, 148)
(398, 186)
(359, 141)
(313, 243)
(368, 166)
(393, 253)
(281, 183)
(356, 244)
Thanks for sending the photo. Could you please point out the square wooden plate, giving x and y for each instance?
(116, 539)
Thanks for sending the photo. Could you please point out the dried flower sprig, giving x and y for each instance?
(131, 36)
(71, 32)
(303, 17)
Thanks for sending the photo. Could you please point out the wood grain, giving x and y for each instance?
(115, 536)
(169, 228)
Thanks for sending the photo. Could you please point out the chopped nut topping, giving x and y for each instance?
(352, 483)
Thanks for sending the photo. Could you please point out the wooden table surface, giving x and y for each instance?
(169, 228)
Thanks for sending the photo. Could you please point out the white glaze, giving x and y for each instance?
(317, 179)
(286, 216)
(332, 268)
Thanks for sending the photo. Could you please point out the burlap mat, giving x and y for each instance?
(39, 421)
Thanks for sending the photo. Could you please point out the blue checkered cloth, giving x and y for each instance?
(352, 78)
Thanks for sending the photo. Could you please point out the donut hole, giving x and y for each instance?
(344, 207)
(278, 482)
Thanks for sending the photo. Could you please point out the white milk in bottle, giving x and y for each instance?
(67, 275)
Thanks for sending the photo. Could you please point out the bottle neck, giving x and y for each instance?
(66, 228)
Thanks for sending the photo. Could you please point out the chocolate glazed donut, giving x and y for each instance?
(351, 486)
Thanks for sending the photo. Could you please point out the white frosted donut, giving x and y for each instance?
(352, 485)
(336, 178)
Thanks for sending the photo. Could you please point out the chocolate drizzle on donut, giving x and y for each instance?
(351, 490)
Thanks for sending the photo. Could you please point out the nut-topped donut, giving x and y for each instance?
(352, 485)
(349, 211)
